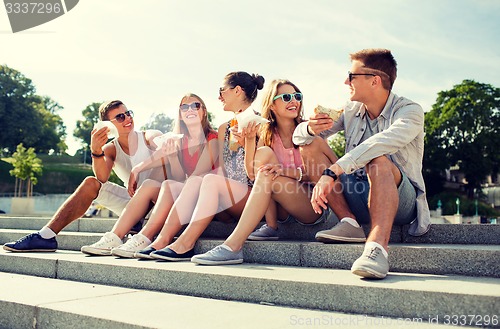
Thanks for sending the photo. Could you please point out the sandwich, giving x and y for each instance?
(332, 113)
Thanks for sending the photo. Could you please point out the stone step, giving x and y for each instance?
(64, 304)
(400, 295)
(471, 260)
(291, 230)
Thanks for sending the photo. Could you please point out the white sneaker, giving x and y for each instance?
(103, 246)
(135, 243)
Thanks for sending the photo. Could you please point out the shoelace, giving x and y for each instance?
(104, 240)
(133, 243)
(374, 252)
(26, 237)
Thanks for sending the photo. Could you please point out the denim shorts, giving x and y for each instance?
(356, 189)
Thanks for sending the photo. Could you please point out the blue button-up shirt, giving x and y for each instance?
(400, 137)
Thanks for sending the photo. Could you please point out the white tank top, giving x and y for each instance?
(124, 163)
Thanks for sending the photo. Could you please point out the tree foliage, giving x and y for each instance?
(84, 127)
(337, 144)
(159, 122)
(27, 117)
(26, 166)
(462, 129)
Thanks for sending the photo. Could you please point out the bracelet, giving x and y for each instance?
(97, 155)
(300, 174)
(309, 131)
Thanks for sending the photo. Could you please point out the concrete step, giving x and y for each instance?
(471, 260)
(291, 230)
(64, 304)
(400, 295)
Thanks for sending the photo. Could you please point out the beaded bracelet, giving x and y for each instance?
(300, 174)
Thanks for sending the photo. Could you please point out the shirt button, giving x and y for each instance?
(354, 145)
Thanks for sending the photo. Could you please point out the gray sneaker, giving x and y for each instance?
(342, 232)
(372, 264)
(219, 256)
(264, 233)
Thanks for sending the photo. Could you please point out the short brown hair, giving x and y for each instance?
(106, 107)
(380, 60)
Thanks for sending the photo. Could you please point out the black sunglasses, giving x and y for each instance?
(223, 89)
(355, 74)
(194, 106)
(121, 117)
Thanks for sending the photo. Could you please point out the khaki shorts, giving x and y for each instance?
(113, 196)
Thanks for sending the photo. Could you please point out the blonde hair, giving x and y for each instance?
(267, 129)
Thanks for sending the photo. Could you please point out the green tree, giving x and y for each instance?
(26, 166)
(160, 122)
(50, 126)
(337, 144)
(462, 129)
(84, 127)
(26, 117)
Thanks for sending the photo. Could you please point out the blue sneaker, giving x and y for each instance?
(168, 254)
(144, 253)
(264, 233)
(219, 256)
(32, 242)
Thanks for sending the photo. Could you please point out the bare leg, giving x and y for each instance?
(383, 200)
(175, 216)
(318, 156)
(290, 194)
(137, 207)
(213, 193)
(76, 205)
(272, 215)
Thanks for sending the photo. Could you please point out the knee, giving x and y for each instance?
(211, 180)
(264, 154)
(312, 150)
(90, 183)
(379, 166)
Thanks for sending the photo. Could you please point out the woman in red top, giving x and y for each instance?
(192, 155)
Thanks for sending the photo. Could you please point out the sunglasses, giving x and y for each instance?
(355, 74)
(223, 89)
(121, 117)
(288, 97)
(193, 106)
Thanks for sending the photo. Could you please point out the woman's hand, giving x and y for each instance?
(250, 131)
(169, 148)
(272, 169)
(238, 136)
(132, 182)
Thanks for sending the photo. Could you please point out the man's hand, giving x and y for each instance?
(319, 122)
(97, 139)
(322, 188)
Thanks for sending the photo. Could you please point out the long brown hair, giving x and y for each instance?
(267, 129)
(180, 126)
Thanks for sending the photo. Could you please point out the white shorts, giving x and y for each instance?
(113, 196)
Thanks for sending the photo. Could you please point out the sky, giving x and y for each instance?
(150, 53)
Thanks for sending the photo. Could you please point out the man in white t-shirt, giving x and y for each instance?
(120, 155)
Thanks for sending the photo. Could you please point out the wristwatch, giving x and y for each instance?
(329, 172)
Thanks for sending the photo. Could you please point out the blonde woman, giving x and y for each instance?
(279, 174)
